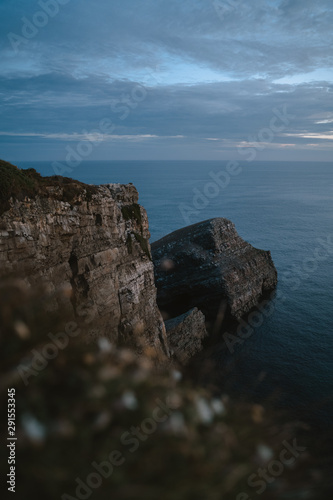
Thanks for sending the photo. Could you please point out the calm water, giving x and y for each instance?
(284, 207)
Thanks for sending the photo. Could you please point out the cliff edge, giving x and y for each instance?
(90, 242)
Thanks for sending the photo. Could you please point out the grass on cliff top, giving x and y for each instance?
(18, 184)
(132, 212)
(14, 183)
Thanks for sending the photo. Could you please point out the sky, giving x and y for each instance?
(166, 79)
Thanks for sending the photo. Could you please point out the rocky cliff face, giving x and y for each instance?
(89, 246)
(207, 265)
(186, 334)
(90, 242)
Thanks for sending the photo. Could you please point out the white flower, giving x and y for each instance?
(265, 453)
(32, 428)
(177, 423)
(129, 400)
(104, 344)
(204, 411)
(176, 375)
(218, 407)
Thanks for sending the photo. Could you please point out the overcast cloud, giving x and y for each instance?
(190, 79)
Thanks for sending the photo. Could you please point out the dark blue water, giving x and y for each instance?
(284, 207)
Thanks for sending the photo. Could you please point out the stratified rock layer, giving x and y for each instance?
(186, 334)
(207, 265)
(94, 247)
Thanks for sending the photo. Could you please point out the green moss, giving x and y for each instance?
(132, 212)
(129, 244)
(17, 184)
(141, 240)
(143, 243)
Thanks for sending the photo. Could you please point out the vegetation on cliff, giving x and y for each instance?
(131, 212)
(98, 420)
(18, 183)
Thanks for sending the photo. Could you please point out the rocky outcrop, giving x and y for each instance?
(89, 247)
(207, 265)
(91, 242)
(186, 334)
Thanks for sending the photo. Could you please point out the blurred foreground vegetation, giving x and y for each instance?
(93, 404)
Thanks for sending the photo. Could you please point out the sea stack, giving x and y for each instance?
(209, 266)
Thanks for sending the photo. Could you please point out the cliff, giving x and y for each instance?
(89, 242)
(89, 247)
(186, 334)
(207, 265)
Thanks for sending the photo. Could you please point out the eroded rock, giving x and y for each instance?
(209, 266)
(186, 334)
(94, 246)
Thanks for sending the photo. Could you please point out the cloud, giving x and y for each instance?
(270, 38)
(328, 136)
(209, 71)
(92, 137)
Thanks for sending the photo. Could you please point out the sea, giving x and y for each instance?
(284, 207)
